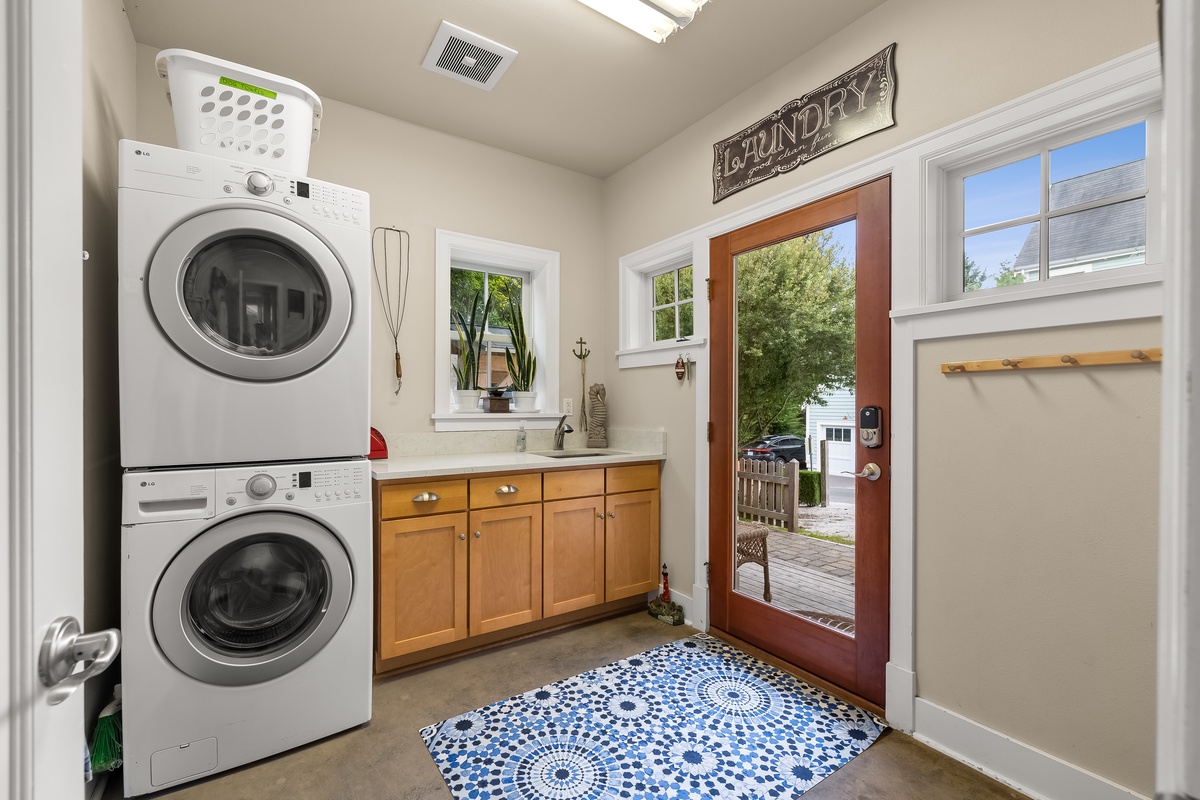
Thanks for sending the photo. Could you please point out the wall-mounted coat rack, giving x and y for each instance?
(1105, 358)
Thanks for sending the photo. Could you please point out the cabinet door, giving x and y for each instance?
(573, 567)
(506, 567)
(631, 544)
(422, 583)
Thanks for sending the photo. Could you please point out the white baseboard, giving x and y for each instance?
(1026, 769)
(900, 690)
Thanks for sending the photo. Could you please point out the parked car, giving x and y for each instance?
(782, 447)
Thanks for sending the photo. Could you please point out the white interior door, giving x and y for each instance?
(41, 565)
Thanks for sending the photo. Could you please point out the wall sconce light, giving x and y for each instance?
(654, 19)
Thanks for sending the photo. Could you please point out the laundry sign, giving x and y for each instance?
(847, 108)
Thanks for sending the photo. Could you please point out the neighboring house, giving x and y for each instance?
(833, 419)
(1099, 238)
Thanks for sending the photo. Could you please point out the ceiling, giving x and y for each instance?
(583, 93)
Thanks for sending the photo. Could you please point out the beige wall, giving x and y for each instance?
(109, 114)
(1036, 545)
(954, 60)
(420, 180)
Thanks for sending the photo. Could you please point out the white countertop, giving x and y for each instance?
(418, 466)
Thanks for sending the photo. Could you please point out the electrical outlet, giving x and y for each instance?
(568, 406)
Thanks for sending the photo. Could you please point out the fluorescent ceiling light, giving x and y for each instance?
(654, 19)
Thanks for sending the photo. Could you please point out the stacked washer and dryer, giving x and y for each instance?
(246, 511)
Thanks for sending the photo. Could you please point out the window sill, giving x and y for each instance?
(502, 421)
(659, 353)
(1152, 274)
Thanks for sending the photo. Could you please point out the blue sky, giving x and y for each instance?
(1012, 191)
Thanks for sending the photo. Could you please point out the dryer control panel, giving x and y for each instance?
(163, 495)
(181, 172)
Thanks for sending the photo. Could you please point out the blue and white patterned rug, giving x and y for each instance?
(696, 718)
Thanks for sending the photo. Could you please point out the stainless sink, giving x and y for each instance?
(580, 453)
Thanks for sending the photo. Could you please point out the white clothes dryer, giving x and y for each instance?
(244, 311)
(246, 608)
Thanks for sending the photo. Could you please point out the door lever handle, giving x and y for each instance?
(64, 647)
(871, 472)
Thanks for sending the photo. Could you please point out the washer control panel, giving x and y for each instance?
(164, 495)
(300, 485)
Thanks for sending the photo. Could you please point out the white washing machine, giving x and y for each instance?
(244, 312)
(246, 609)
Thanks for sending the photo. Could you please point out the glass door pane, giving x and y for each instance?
(796, 420)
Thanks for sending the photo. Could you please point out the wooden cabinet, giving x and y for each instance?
(462, 560)
(506, 567)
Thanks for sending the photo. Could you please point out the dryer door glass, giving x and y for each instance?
(255, 296)
(256, 595)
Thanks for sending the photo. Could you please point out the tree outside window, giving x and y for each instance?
(471, 285)
(673, 309)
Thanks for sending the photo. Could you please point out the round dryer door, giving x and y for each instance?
(250, 294)
(252, 598)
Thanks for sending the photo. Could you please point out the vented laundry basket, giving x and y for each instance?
(240, 113)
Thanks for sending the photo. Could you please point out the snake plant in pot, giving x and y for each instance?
(522, 364)
(470, 344)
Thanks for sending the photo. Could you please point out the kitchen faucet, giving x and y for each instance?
(563, 428)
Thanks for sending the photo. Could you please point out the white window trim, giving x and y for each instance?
(637, 273)
(1052, 118)
(1150, 113)
(541, 305)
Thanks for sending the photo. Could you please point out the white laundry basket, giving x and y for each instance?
(240, 113)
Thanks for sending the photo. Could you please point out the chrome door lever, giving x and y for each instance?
(65, 646)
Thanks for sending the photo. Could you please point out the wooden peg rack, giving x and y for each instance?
(1066, 360)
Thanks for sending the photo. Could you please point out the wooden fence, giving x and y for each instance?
(767, 492)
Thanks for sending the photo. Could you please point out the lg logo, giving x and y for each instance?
(147, 483)
(141, 152)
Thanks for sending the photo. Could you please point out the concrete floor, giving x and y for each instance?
(386, 760)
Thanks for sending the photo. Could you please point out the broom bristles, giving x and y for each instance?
(106, 743)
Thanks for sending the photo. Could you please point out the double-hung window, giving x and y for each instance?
(472, 288)
(1063, 209)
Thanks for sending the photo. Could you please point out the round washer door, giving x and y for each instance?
(250, 294)
(252, 598)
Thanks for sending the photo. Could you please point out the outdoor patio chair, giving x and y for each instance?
(751, 548)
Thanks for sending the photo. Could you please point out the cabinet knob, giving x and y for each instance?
(462, 536)
(599, 516)
(478, 534)
(612, 515)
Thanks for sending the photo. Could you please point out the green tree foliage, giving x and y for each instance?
(973, 276)
(664, 293)
(795, 305)
(1008, 275)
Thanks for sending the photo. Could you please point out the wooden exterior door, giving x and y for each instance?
(506, 567)
(853, 660)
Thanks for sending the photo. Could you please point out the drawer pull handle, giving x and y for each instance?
(507, 488)
(426, 497)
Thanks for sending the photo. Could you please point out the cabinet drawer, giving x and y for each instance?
(417, 499)
(636, 478)
(506, 490)
(573, 483)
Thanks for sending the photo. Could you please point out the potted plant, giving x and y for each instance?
(470, 344)
(522, 364)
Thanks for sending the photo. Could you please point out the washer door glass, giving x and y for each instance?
(250, 294)
(256, 595)
(255, 296)
(252, 598)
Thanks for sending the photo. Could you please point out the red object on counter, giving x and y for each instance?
(378, 445)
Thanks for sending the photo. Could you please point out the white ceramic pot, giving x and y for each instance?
(466, 399)
(524, 401)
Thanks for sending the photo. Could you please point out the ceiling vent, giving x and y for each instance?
(467, 57)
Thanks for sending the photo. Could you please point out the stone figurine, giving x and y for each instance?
(597, 435)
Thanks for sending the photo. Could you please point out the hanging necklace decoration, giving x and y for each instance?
(393, 297)
(582, 355)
